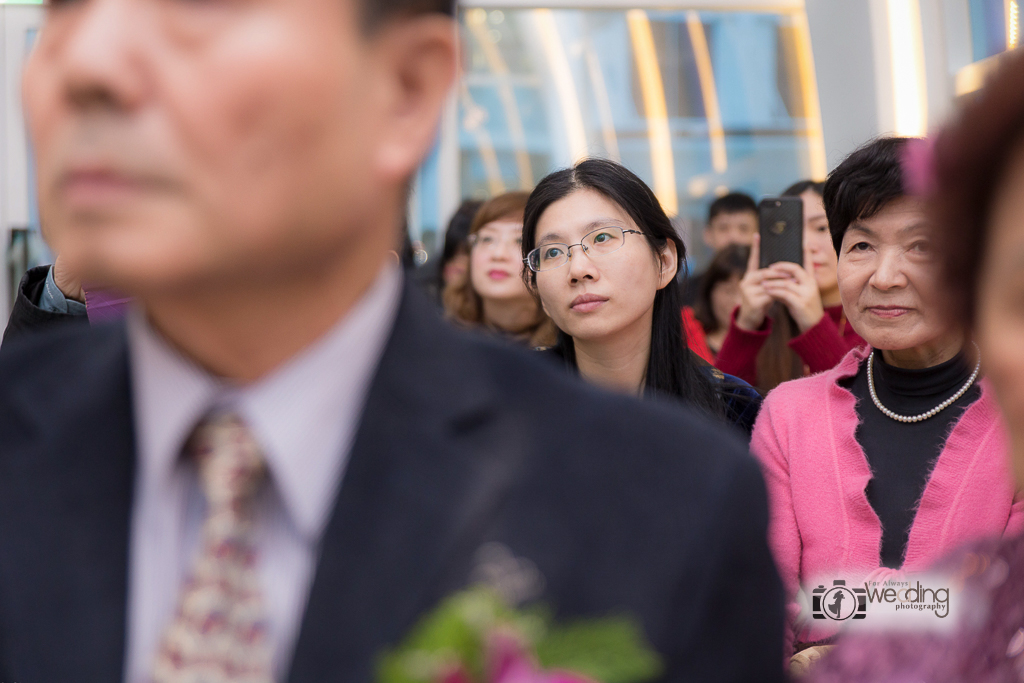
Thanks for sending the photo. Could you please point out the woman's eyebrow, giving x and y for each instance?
(600, 222)
(914, 227)
(857, 226)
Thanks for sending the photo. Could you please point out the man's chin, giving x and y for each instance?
(137, 274)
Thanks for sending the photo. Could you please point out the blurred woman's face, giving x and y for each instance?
(725, 297)
(597, 296)
(1000, 306)
(888, 279)
(495, 261)
(456, 267)
(818, 241)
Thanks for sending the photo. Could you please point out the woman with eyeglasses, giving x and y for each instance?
(602, 256)
(491, 295)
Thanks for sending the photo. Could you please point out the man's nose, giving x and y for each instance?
(101, 54)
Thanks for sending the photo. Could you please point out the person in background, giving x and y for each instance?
(453, 263)
(493, 296)
(973, 179)
(732, 219)
(47, 296)
(603, 256)
(896, 456)
(53, 295)
(719, 294)
(696, 340)
(790, 320)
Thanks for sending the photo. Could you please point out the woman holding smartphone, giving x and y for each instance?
(603, 257)
(790, 321)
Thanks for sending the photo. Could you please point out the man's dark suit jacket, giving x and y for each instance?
(625, 507)
(26, 316)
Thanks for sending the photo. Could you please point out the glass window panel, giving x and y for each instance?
(695, 103)
(988, 27)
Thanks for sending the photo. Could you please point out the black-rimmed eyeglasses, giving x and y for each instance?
(597, 243)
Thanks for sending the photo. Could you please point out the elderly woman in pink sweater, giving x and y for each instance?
(897, 455)
(976, 199)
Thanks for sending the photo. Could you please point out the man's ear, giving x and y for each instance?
(669, 259)
(417, 57)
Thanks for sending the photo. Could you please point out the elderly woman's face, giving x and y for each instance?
(1000, 306)
(888, 279)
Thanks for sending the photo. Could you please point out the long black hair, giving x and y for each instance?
(456, 238)
(672, 368)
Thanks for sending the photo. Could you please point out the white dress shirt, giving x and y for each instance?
(304, 416)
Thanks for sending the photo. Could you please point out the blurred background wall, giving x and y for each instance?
(698, 97)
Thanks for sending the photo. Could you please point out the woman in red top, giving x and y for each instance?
(790, 322)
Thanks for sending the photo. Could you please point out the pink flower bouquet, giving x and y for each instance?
(475, 637)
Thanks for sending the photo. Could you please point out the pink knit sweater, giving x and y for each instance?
(821, 523)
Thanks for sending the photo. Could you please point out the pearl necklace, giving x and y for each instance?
(931, 413)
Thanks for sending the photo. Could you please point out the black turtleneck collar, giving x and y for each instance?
(914, 387)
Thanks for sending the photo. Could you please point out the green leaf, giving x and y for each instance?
(610, 650)
(451, 633)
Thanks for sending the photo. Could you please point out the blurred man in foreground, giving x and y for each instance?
(258, 475)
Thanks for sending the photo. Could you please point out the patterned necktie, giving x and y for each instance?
(218, 633)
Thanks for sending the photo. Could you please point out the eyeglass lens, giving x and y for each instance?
(598, 242)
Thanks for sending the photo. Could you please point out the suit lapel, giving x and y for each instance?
(65, 510)
(416, 488)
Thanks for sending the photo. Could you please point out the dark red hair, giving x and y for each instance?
(970, 159)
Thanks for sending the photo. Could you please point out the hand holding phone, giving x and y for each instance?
(754, 298)
(797, 289)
